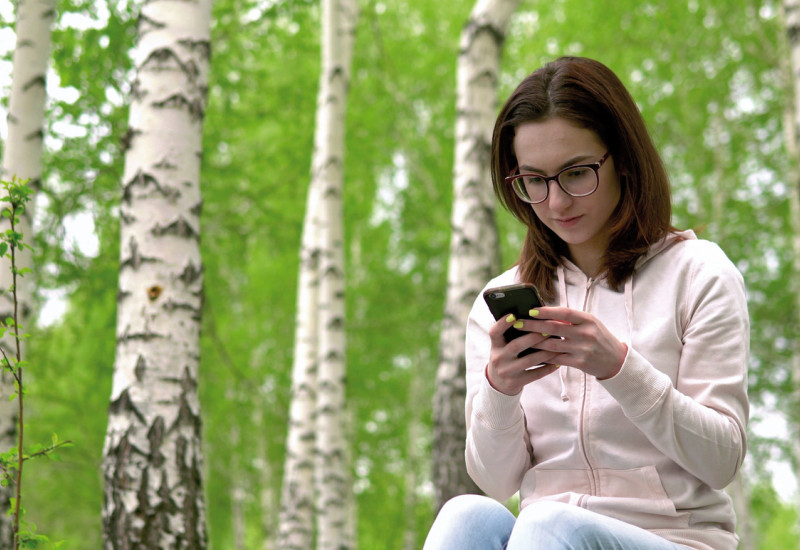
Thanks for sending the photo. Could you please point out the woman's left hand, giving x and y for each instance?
(584, 342)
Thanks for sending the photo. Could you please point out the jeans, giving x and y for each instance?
(472, 522)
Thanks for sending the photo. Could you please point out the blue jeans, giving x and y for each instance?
(472, 522)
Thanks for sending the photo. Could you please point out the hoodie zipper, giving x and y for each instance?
(582, 423)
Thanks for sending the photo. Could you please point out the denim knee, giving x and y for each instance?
(466, 507)
(470, 521)
(548, 513)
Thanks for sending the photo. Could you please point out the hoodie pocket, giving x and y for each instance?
(635, 495)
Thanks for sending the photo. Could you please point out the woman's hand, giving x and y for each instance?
(584, 342)
(508, 373)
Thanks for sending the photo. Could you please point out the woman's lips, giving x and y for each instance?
(566, 223)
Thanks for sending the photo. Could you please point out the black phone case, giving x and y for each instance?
(516, 299)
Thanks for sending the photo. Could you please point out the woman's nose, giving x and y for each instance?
(558, 199)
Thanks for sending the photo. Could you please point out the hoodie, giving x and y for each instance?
(654, 445)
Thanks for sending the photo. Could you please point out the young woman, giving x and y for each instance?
(627, 435)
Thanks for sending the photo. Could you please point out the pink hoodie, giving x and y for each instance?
(654, 445)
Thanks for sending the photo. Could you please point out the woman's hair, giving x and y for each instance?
(590, 95)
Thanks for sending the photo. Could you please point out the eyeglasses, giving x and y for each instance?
(576, 181)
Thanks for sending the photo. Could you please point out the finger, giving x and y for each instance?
(551, 328)
(532, 375)
(564, 314)
(499, 328)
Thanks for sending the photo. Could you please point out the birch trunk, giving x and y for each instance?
(152, 456)
(792, 125)
(296, 523)
(474, 247)
(331, 468)
(22, 157)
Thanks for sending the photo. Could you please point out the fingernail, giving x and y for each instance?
(510, 318)
(519, 324)
(534, 313)
(545, 334)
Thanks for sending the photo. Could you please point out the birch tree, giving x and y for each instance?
(22, 158)
(316, 472)
(296, 527)
(474, 245)
(792, 126)
(331, 469)
(152, 457)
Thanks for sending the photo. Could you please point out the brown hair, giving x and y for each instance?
(588, 94)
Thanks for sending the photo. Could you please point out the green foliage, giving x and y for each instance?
(773, 521)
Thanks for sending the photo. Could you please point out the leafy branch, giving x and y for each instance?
(18, 194)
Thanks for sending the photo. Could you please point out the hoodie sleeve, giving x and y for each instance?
(700, 421)
(498, 450)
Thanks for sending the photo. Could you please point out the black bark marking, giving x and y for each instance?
(36, 135)
(190, 475)
(145, 181)
(179, 228)
(126, 141)
(126, 217)
(135, 259)
(122, 294)
(137, 91)
(117, 523)
(140, 368)
(38, 80)
(194, 107)
(155, 436)
(172, 305)
(201, 48)
(124, 406)
(191, 274)
(146, 24)
(146, 336)
(165, 164)
(162, 59)
(475, 28)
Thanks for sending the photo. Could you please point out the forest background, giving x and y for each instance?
(711, 79)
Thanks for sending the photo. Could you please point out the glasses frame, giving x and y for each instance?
(547, 179)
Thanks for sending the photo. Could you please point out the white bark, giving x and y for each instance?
(791, 14)
(22, 157)
(331, 468)
(296, 528)
(474, 248)
(152, 457)
(315, 474)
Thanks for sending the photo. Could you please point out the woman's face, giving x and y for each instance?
(546, 148)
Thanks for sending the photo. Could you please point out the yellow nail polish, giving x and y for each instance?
(519, 324)
(510, 318)
(534, 313)
(545, 334)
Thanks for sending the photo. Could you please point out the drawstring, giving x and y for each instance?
(563, 302)
(629, 308)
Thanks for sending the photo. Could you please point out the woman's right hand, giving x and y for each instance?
(508, 373)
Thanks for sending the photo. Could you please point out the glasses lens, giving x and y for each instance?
(530, 188)
(578, 181)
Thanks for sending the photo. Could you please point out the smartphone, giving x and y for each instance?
(518, 299)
